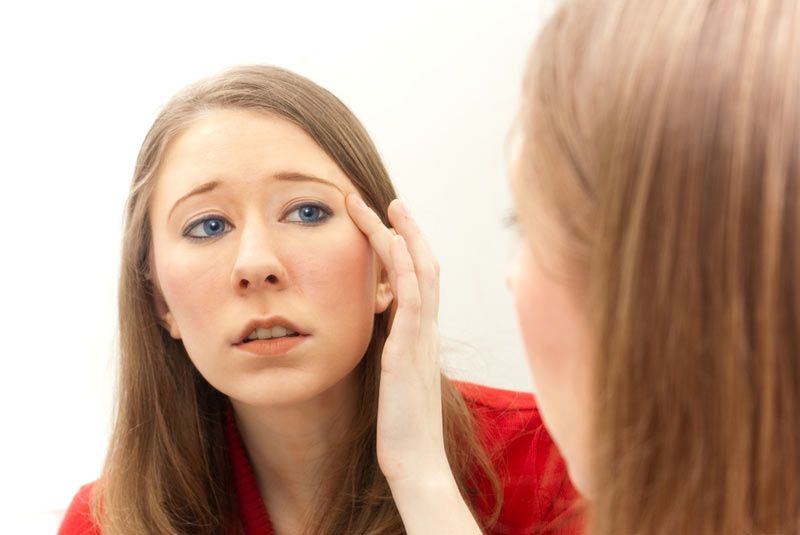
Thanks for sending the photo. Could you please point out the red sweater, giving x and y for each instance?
(537, 495)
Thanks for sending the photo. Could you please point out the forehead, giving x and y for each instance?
(242, 146)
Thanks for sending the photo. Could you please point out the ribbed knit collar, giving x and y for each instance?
(252, 511)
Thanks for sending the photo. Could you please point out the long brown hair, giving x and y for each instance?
(663, 139)
(167, 469)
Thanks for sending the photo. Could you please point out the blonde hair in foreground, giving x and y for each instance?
(661, 154)
(167, 469)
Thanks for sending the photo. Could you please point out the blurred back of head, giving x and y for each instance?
(660, 160)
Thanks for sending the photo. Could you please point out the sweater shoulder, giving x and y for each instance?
(509, 425)
(78, 518)
(537, 495)
(498, 411)
(495, 398)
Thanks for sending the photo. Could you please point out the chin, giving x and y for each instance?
(580, 479)
(282, 388)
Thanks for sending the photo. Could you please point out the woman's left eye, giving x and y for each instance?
(308, 214)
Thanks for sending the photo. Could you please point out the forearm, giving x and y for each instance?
(432, 505)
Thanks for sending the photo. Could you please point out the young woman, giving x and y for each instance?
(279, 368)
(657, 187)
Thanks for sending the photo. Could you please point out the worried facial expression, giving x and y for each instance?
(262, 274)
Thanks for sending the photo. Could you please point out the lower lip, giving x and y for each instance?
(273, 347)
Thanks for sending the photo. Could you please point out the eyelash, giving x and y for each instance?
(196, 223)
(326, 214)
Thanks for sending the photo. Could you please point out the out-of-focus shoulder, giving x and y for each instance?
(510, 427)
(495, 398)
(537, 494)
(509, 413)
(78, 518)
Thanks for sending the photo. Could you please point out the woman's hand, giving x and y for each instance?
(410, 441)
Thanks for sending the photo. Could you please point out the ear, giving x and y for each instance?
(165, 317)
(383, 290)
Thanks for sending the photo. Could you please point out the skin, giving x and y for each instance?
(555, 331)
(265, 262)
(322, 277)
(261, 258)
(410, 442)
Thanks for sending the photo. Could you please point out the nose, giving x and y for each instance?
(258, 266)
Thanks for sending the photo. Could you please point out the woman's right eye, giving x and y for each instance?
(209, 227)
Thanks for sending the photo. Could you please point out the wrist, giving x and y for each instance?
(429, 483)
(432, 503)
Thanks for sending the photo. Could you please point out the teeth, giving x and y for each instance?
(262, 333)
(278, 332)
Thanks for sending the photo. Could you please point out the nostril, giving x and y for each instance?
(272, 279)
(243, 284)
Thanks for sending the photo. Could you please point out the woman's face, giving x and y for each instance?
(251, 239)
(556, 336)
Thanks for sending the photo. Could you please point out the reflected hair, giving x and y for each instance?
(661, 158)
(168, 468)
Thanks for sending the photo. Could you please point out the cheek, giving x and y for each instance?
(558, 343)
(546, 320)
(333, 270)
(334, 276)
(192, 286)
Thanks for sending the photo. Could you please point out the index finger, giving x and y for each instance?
(379, 235)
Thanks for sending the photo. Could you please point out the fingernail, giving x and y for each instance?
(403, 208)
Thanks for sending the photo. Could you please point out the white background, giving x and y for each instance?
(435, 83)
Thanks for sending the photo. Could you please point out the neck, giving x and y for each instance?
(291, 447)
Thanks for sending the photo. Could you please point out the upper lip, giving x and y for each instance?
(266, 323)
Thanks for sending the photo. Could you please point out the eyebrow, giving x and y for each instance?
(284, 176)
(302, 177)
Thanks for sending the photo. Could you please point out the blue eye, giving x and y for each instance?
(308, 214)
(209, 227)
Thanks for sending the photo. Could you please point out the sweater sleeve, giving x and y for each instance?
(78, 518)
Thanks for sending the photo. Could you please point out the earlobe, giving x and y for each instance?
(383, 293)
(165, 317)
(168, 322)
(383, 297)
